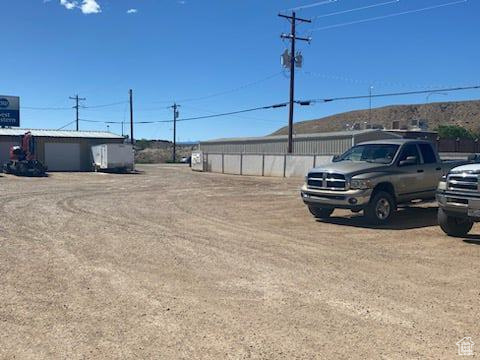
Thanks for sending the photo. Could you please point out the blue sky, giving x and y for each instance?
(170, 50)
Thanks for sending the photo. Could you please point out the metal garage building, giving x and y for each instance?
(59, 150)
(333, 143)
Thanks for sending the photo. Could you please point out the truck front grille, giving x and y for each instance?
(326, 181)
(462, 182)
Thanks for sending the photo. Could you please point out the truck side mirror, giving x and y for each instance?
(410, 160)
(335, 158)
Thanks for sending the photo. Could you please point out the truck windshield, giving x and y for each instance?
(375, 153)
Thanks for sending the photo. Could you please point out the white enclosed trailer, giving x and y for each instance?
(119, 157)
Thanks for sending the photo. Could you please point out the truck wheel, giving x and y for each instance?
(319, 212)
(380, 209)
(453, 226)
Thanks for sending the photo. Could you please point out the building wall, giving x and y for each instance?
(321, 146)
(85, 147)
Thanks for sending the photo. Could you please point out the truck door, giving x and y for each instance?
(431, 166)
(410, 173)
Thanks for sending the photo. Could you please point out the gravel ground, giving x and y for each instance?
(172, 264)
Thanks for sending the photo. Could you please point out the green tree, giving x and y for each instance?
(454, 131)
(142, 144)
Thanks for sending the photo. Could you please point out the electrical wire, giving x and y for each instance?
(106, 105)
(405, 93)
(237, 116)
(46, 108)
(275, 106)
(376, 83)
(318, 3)
(357, 9)
(239, 88)
(284, 104)
(388, 16)
(70, 123)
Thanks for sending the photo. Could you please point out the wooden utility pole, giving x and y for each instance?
(293, 38)
(175, 116)
(76, 107)
(132, 141)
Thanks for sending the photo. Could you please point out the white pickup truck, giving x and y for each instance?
(458, 197)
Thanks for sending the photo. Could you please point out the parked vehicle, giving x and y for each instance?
(375, 177)
(113, 157)
(458, 197)
(186, 160)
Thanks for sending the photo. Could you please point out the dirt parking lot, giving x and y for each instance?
(172, 264)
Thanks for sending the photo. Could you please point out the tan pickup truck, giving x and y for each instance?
(375, 177)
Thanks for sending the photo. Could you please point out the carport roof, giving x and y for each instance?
(61, 133)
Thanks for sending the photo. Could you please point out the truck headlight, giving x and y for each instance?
(442, 185)
(360, 184)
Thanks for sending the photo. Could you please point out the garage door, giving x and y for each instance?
(62, 157)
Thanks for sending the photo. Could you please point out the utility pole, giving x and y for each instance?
(77, 106)
(293, 38)
(175, 116)
(370, 106)
(132, 141)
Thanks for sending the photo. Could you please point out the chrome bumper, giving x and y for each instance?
(348, 199)
(460, 204)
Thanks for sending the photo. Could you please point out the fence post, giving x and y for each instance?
(241, 163)
(285, 165)
(223, 163)
(263, 164)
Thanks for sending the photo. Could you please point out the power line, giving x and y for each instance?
(377, 83)
(405, 93)
(70, 123)
(275, 106)
(318, 3)
(46, 108)
(357, 9)
(388, 16)
(300, 102)
(106, 105)
(239, 88)
(237, 116)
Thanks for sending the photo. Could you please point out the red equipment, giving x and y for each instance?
(22, 159)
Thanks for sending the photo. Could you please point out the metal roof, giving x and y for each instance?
(396, 141)
(61, 133)
(329, 135)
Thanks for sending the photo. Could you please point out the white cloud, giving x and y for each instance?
(86, 6)
(132, 11)
(70, 5)
(90, 7)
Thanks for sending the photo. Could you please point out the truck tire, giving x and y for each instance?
(453, 226)
(319, 212)
(380, 209)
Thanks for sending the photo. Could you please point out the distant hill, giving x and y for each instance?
(464, 113)
(160, 151)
